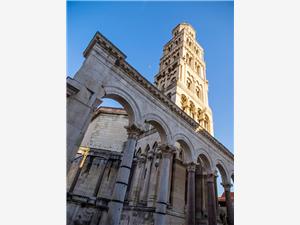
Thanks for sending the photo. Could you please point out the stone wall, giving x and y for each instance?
(96, 180)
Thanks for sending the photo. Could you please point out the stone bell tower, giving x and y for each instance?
(182, 75)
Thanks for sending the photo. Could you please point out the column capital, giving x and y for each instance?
(191, 166)
(210, 177)
(227, 186)
(133, 131)
(166, 150)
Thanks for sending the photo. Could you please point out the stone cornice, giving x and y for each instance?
(105, 43)
(109, 110)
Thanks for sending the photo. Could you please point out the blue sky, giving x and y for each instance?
(140, 29)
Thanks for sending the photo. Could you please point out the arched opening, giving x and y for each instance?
(156, 124)
(146, 173)
(188, 83)
(178, 187)
(202, 170)
(94, 168)
(222, 179)
(232, 187)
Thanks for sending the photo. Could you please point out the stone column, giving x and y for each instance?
(162, 198)
(136, 181)
(216, 193)
(229, 206)
(145, 189)
(116, 204)
(191, 168)
(153, 180)
(211, 204)
(199, 194)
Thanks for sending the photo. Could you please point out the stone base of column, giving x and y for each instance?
(116, 208)
(160, 214)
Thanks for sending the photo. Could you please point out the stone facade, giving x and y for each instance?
(153, 162)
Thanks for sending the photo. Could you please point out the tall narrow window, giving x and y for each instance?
(188, 83)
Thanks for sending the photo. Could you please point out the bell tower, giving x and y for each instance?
(182, 75)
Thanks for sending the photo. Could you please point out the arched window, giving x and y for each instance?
(188, 83)
(190, 61)
(198, 92)
(187, 56)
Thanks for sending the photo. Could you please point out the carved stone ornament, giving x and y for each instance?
(166, 150)
(133, 131)
(227, 186)
(191, 167)
(211, 177)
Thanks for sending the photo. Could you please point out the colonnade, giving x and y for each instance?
(165, 153)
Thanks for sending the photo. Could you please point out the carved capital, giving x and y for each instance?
(191, 167)
(166, 151)
(133, 131)
(210, 177)
(227, 186)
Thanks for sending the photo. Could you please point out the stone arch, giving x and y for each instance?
(203, 156)
(159, 124)
(127, 101)
(224, 174)
(187, 146)
(206, 122)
